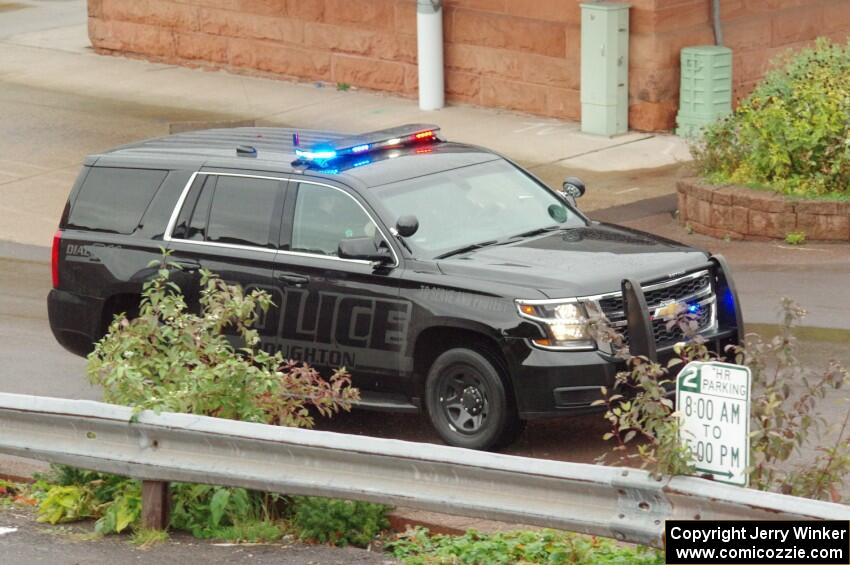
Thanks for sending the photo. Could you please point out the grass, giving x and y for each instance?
(260, 531)
(143, 538)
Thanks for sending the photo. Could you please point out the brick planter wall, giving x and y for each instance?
(515, 54)
(742, 213)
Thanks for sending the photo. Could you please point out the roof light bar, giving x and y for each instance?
(367, 142)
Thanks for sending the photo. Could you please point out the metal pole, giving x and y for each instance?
(429, 35)
(718, 26)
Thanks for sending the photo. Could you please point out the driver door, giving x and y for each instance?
(339, 312)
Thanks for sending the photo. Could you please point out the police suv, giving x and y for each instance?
(443, 276)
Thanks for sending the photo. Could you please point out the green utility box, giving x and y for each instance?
(605, 68)
(705, 93)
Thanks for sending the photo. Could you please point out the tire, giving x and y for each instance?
(468, 402)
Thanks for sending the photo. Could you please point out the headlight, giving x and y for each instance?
(565, 323)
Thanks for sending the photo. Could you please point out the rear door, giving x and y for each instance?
(229, 223)
(340, 312)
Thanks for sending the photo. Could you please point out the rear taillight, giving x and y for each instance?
(54, 258)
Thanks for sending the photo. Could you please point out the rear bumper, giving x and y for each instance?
(74, 320)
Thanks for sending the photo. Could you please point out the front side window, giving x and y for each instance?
(324, 216)
(487, 202)
(243, 211)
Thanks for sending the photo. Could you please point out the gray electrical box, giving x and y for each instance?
(605, 68)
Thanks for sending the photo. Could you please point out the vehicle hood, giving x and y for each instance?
(577, 262)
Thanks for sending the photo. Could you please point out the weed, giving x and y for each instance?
(419, 547)
(795, 238)
(144, 538)
(339, 522)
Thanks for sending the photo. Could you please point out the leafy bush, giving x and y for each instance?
(784, 411)
(792, 133)
(418, 547)
(640, 412)
(339, 522)
(68, 494)
(171, 359)
(211, 512)
(795, 238)
(785, 416)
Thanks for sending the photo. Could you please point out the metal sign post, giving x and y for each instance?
(713, 400)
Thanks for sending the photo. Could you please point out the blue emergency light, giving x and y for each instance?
(409, 134)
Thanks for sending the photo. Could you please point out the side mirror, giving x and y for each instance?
(573, 187)
(363, 248)
(407, 225)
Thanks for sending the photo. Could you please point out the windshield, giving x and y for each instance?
(474, 206)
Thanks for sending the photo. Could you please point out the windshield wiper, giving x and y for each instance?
(466, 248)
(530, 233)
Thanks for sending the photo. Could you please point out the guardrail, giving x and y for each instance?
(614, 502)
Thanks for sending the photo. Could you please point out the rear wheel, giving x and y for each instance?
(468, 402)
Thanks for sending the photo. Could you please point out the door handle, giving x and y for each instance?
(292, 279)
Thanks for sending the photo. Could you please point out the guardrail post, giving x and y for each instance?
(156, 502)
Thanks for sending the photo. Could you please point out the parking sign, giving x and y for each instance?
(713, 399)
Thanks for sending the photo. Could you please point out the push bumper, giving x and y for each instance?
(554, 383)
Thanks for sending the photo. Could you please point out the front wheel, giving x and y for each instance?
(468, 403)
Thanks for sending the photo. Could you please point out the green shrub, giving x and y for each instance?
(795, 238)
(67, 494)
(169, 358)
(339, 522)
(785, 411)
(212, 512)
(792, 134)
(418, 547)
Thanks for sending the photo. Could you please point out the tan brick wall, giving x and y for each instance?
(515, 54)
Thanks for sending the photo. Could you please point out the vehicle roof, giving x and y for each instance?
(216, 148)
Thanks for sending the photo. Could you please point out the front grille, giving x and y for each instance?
(663, 295)
(694, 288)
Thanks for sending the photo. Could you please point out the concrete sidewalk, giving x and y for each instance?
(48, 47)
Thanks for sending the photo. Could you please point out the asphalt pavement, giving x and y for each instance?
(23, 541)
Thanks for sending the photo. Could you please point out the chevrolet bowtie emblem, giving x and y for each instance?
(669, 310)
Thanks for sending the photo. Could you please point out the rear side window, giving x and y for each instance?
(114, 199)
(244, 211)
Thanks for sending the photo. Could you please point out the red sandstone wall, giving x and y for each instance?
(515, 54)
(756, 30)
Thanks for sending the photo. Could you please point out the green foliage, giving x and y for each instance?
(795, 238)
(169, 358)
(418, 547)
(66, 504)
(67, 494)
(144, 538)
(785, 416)
(792, 133)
(784, 410)
(339, 522)
(259, 531)
(343, 86)
(222, 512)
(641, 414)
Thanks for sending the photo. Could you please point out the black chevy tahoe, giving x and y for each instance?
(443, 276)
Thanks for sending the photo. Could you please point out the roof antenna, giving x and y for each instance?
(296, 140)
